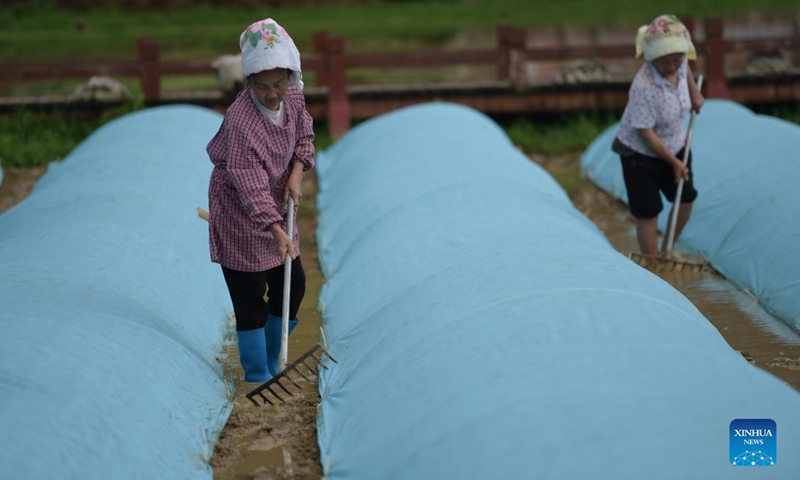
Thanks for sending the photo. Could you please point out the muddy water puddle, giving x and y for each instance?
(763, 339)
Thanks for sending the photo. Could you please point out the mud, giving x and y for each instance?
(17, 184)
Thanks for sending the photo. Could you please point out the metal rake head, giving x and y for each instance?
(677, 264)
(303, 367)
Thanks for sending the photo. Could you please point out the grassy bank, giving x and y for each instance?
(30, 139)
(39, 32)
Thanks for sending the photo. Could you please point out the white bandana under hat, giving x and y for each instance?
(265, 45)
(664, 36)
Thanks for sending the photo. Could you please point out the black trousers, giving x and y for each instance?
(645, 177)
(249, 289)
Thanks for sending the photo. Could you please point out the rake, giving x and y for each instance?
(314, 354)
(671, 261)
(658, 263)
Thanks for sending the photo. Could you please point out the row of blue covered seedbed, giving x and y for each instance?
(112, 317)
(485, 329)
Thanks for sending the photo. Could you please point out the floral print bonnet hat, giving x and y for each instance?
(265, 45)
(664, 36)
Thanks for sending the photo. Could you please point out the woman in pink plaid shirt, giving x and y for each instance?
(260, 152)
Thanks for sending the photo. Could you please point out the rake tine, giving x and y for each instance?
(255, 392)
(309, 368)
(269, 387)
(289, 378)
(327, 354)
(278, 383)
(286, 376)
(321, 363)
(297, 371)
(266, 399)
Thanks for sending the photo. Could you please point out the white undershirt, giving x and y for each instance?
(278, 117)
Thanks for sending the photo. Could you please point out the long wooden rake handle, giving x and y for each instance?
(676, 204)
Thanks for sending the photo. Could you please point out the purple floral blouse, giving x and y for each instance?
(655, 103)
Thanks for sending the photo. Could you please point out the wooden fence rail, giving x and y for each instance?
(330, 64)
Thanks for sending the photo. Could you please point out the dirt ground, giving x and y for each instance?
(279, 442)
(17, 184)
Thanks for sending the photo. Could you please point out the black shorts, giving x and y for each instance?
(646, 177)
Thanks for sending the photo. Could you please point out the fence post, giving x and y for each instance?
(689, 23)
(504, 34)
(691, 27)
(320, 41)
(338, 102)
(149, 69)
(510, 41)
(715, 59)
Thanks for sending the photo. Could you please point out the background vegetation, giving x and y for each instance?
(41, 31)
(38, 30)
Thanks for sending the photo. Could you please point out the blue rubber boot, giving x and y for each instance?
(253, 355)
(272, 333)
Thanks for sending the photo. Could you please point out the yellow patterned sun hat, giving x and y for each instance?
(664, 36)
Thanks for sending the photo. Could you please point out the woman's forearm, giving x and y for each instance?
(655, 144)
(297, 168)
(695, 96)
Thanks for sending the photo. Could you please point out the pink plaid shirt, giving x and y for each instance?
(252, 160)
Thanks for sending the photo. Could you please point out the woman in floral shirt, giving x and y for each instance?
(651, 135)
(259, 154)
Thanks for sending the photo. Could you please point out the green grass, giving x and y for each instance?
(31, 139)
(566, 134)
(44, 34)
(790, 113)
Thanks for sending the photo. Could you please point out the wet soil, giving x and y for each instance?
(17, 184)
(279, 442)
